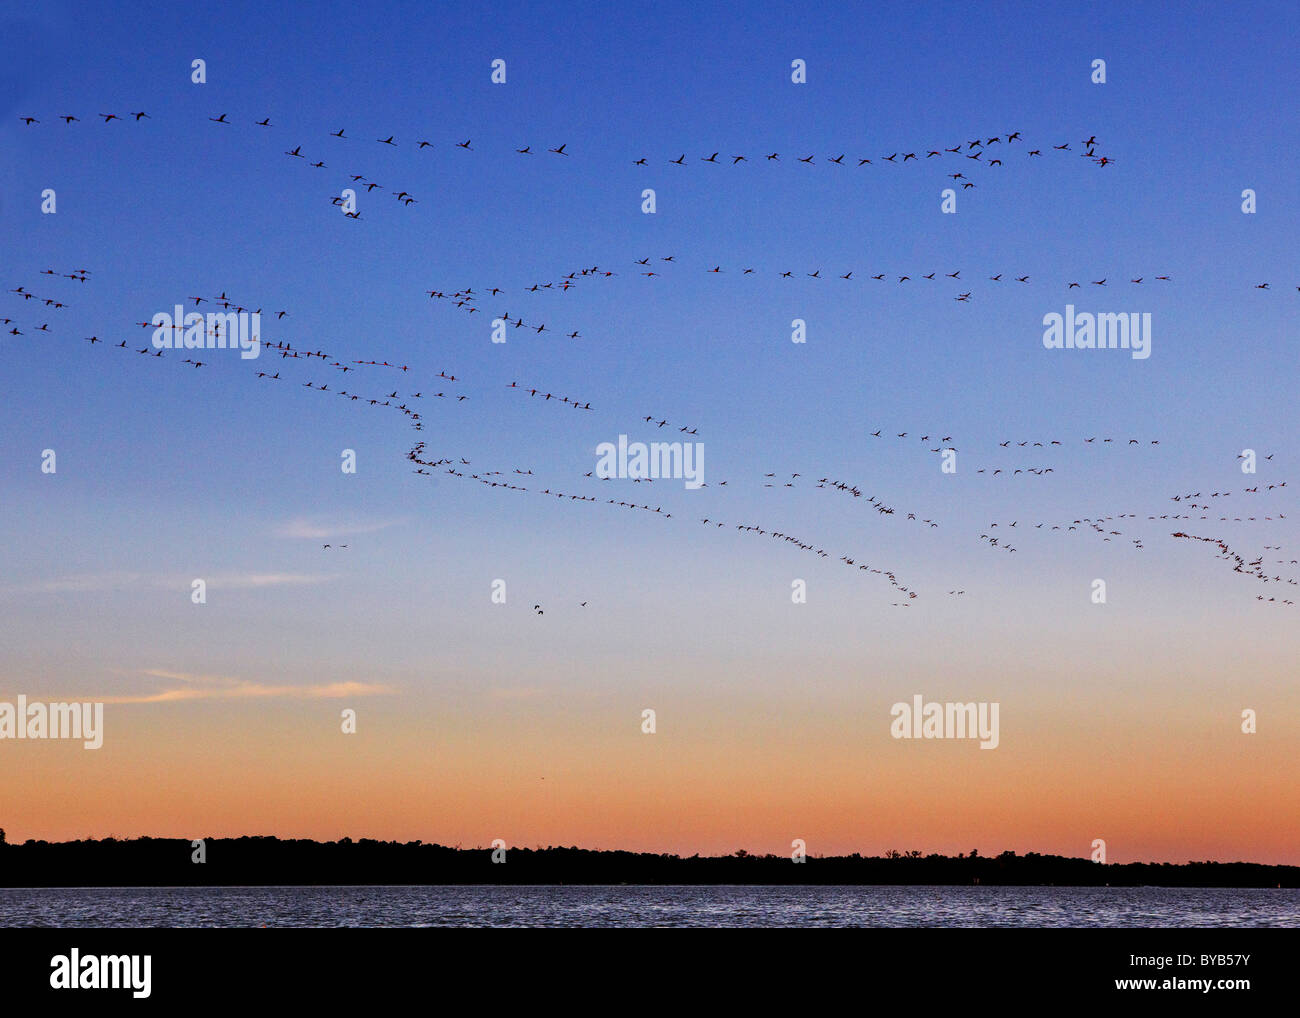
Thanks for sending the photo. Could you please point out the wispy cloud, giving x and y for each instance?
(227, 687)
(317, 530)
(268, 579)
(85, 583)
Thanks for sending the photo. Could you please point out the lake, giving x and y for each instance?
(639, 905)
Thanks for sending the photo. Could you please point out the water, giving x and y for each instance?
(706, 906)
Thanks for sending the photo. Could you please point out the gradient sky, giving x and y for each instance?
(478, 721)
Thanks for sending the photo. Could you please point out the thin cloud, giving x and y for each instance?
(84, 583)
(226, 687)
(89, 583)
(315, 530)
(268, 579)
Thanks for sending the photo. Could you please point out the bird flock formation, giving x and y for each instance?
(1254, 568)
(417, 455)
(497, 479)
(972, 150)
(985, 153)
(453, 465)
(469, 299)
(342, 142)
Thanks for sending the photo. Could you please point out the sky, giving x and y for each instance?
(478, 720)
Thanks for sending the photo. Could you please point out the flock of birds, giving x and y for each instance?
(522, 480)
(470, 300)
(494, 479)
(643, 268)
(972, 150)
(1253, 568)
(986, 153)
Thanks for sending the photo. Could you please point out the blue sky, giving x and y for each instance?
(167, 473)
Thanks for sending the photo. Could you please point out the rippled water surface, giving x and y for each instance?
(647, 906)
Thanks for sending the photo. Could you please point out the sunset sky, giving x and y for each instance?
(475, 720)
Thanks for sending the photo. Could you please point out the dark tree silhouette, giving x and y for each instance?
(270, 861)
